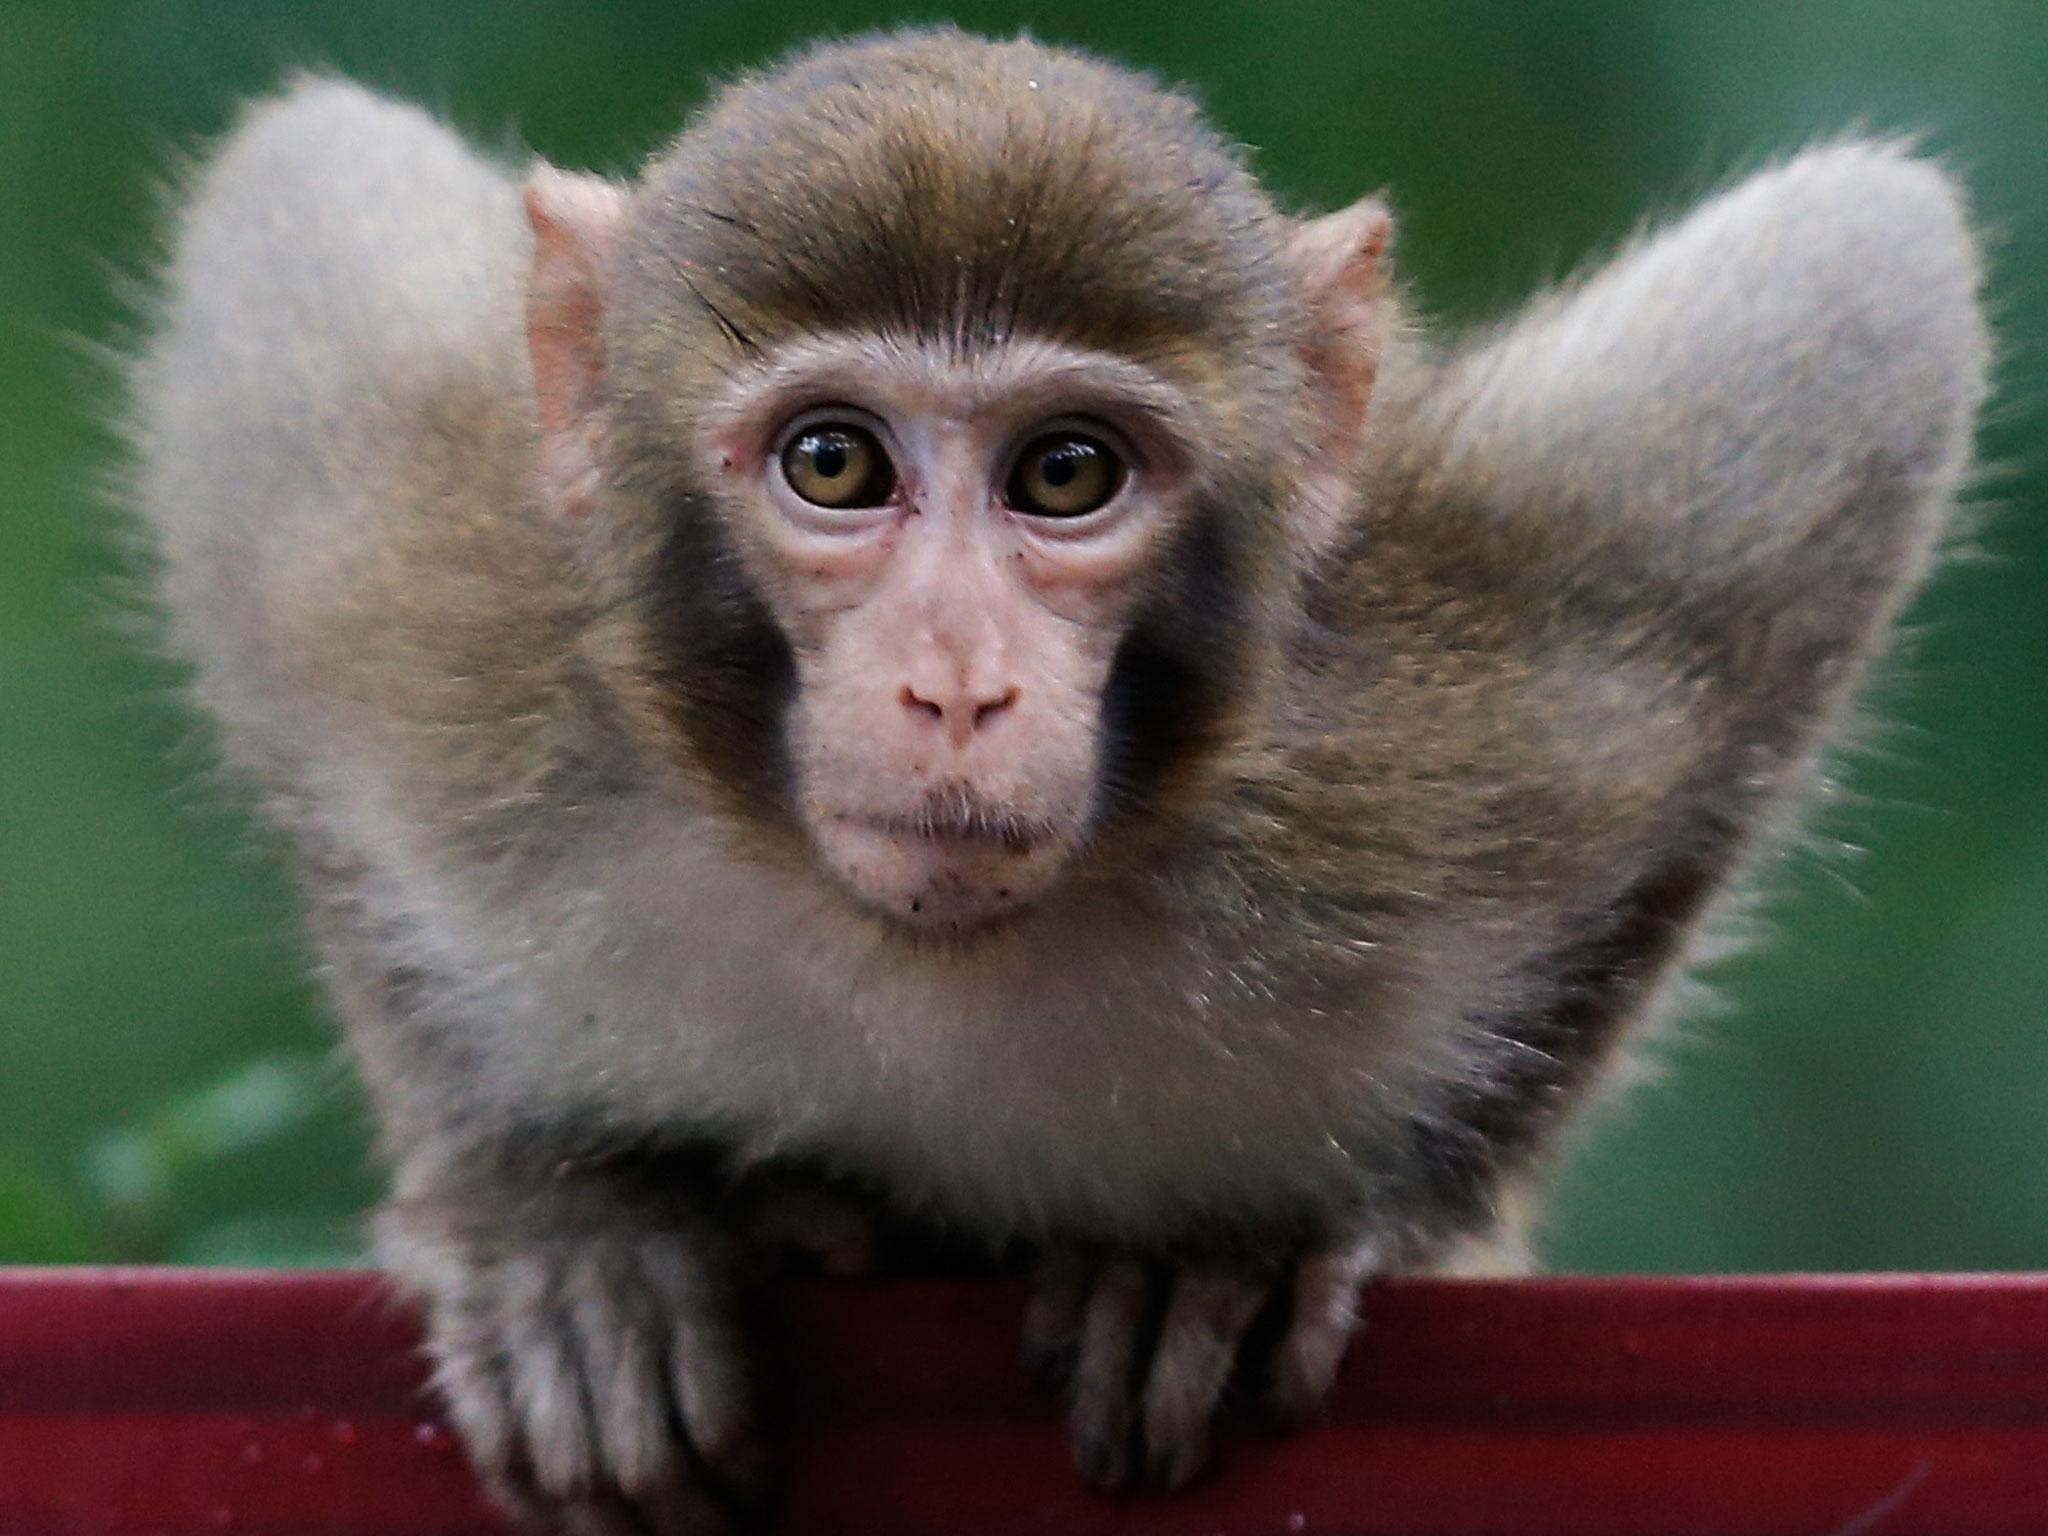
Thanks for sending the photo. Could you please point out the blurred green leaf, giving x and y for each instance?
(127, 1168)
(136, 1166)
(136, 1171)
(256, 1104)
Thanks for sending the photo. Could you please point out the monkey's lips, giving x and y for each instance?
(943, 865)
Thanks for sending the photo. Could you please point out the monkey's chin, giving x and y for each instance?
(938, 880)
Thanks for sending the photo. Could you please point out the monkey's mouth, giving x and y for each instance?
(950, 822)
(950, 860)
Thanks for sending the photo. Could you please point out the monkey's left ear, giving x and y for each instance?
(576, 223)
(1341, 259)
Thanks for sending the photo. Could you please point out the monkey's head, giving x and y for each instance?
(957, 418)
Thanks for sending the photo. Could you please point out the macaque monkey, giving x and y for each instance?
(935, 662)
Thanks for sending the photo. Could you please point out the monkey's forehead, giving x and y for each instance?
(938, 184)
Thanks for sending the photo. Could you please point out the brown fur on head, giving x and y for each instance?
(965, 193)
(952, 220)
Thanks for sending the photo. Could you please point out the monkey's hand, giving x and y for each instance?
(1146, 1353)
(588, 1353)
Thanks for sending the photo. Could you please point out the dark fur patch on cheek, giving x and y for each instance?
(727, 672)
(1175, 681)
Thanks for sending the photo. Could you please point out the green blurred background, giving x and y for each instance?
(1874, 1093)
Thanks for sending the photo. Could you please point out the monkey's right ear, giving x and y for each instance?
(1340, 260)
(576, 223)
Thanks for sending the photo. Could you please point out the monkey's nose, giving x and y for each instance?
(961, 710)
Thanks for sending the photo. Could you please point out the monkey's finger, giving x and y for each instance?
(1052, 1320)
(551, 1399)
(1206, 1320)
(464, 1338)
(707, 1382)
(620, 1338)
(1103, 1417)
(1322, 1318)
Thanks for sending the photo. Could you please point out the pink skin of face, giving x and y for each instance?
(952, 649)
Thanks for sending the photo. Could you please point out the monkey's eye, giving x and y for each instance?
(1064, 474)
(836, 464)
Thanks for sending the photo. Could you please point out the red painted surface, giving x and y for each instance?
(143, 1403)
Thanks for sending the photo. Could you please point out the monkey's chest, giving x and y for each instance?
(1093, 1080)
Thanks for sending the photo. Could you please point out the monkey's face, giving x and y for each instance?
(966, 414)
(956, 548)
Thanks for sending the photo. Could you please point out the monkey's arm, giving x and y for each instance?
(338, 325)
(1741, 443)
(1758, 417)
(334, 430)
(1620, 564)
(1695, 487)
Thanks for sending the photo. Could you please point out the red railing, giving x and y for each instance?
(171, 1403)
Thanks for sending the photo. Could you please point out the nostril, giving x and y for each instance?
(982, 712)
(914, 702)
(957, 709)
